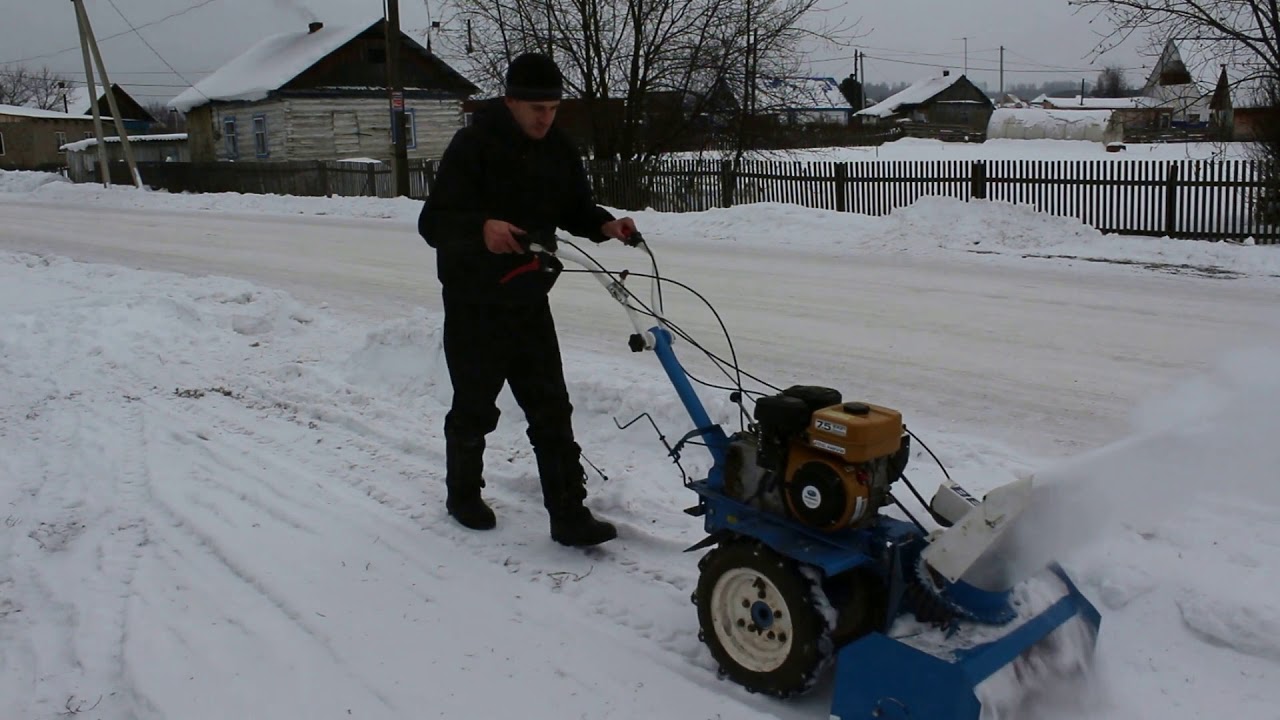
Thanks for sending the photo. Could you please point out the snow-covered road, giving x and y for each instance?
(222, 496)
(1057, 353)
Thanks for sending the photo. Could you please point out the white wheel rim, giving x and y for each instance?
(740, 600)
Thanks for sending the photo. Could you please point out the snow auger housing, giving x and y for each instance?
(804, 571)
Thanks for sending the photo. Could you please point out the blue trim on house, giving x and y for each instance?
(411, 142)
(264, 151)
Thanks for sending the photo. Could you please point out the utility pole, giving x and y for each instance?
(88, 44)
(966, 57)
(399, 126)
(1002, 72)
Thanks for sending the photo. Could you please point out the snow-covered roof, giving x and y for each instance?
(1089, 103)
(267, 66)
(917, 93)
(20, 111)
(807, 93)
(91, 142)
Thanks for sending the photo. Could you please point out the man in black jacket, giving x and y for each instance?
(512, 176)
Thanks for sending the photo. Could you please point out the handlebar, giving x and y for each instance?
(612, 282)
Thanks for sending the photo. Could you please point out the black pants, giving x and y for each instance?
(487, 346)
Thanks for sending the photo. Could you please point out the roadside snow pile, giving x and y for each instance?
(929, 226)
(25, 181)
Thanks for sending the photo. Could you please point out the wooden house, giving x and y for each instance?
(946, 100)
(135, 117)
(32, 139)
(804, 101)
(321, 94)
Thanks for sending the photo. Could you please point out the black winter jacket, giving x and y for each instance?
(493, 170)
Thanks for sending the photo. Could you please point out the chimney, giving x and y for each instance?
(314, 26)
(946, 73)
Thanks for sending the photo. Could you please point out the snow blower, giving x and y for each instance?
(805, 571)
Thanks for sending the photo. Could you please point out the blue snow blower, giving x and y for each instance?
(805, 571)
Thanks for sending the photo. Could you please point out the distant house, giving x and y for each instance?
(135, 118)
(945, 100)
(1171, 89)
(805, 101)
(32, 139)
(322, 94)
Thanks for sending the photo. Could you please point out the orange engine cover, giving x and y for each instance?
(837, 470)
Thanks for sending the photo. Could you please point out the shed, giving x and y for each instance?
(82, 156)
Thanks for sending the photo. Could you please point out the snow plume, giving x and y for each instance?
(1210, 440)
(296, 6)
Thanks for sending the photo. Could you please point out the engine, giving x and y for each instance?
(815, 458)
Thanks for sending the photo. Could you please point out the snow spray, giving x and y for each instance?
(1211, 437)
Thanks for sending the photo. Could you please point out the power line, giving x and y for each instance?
(157, 52)
(157, 21)
(1048, 70)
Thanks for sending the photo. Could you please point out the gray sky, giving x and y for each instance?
(904, 39)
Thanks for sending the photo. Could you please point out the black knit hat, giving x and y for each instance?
(536, 77)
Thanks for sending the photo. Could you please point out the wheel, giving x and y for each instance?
(762, 619)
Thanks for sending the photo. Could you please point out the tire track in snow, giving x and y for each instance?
(658, 610)
(190, 541)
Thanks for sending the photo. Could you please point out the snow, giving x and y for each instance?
(221, 456)
(26, 181)
(21, 111)
(266, 66)
(915, 94)
(1086, 104)
(805, 93)
(80, 145)
(919, 149)
(1037, 124)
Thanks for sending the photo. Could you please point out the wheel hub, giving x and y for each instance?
(752, 620)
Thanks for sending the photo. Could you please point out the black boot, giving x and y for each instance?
(564, 488)
(576, 527)
(464, 477)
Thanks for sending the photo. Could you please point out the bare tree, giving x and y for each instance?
(42, 89)
(648, 72)
(1241, 34)
(1112, 83)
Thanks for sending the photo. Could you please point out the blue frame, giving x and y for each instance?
(876, 676)
(411, 142)
(265, 150)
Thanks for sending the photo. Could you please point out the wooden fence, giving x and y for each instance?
(1198, 199)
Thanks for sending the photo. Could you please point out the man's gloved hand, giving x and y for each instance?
(623, 229)
(500, 237)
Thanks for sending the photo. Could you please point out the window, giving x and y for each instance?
(88, 136)
(61, 139)
(1, 143)
(411, 126)
(260, 148)
(229, 138)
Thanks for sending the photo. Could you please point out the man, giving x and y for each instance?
(512, 175)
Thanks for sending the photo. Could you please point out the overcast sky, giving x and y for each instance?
(905, 40)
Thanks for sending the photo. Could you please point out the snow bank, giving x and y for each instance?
(26, 181)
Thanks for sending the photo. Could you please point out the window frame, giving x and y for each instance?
(230, 139)
(262, 151)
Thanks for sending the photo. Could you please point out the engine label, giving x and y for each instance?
(811, 497)
(830, 427)
(827, 446)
